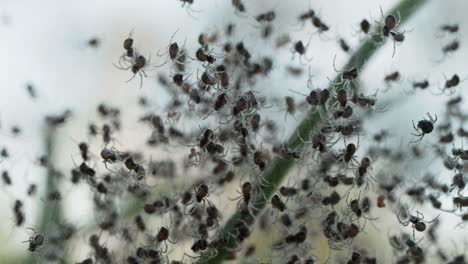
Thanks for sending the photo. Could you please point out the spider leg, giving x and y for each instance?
(405, 223)
(132, 77)
(165, 249)
(157, 66)
(194, 257)
(433, 220)
(121, 67)
(414, 126)
(414, 141)
(124, 59)
(418, 135)
(141, 78)
(334, 66)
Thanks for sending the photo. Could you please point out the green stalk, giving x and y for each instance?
(279, 167)
(49, 222)
(51, 214)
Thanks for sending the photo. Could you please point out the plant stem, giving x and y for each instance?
(49, 222)
(51, 212)
(279, 167)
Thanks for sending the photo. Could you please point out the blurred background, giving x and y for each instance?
(46, 44)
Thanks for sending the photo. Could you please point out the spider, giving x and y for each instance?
(174, 52)
(137, 64)
(163, 235)
(299, 48)
(389, 29)
(345, 76)
(424, 127)
(194, 158)
(419, 224)
(35, 241)
(110, 156)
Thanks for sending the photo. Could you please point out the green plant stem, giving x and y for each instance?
(49, 222)
(279, 167)
(51, 211)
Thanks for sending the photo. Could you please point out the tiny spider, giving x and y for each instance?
(137, 63)
(35, 241)
(418, 222)
(424, 127)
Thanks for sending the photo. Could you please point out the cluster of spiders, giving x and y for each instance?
(165, 192)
